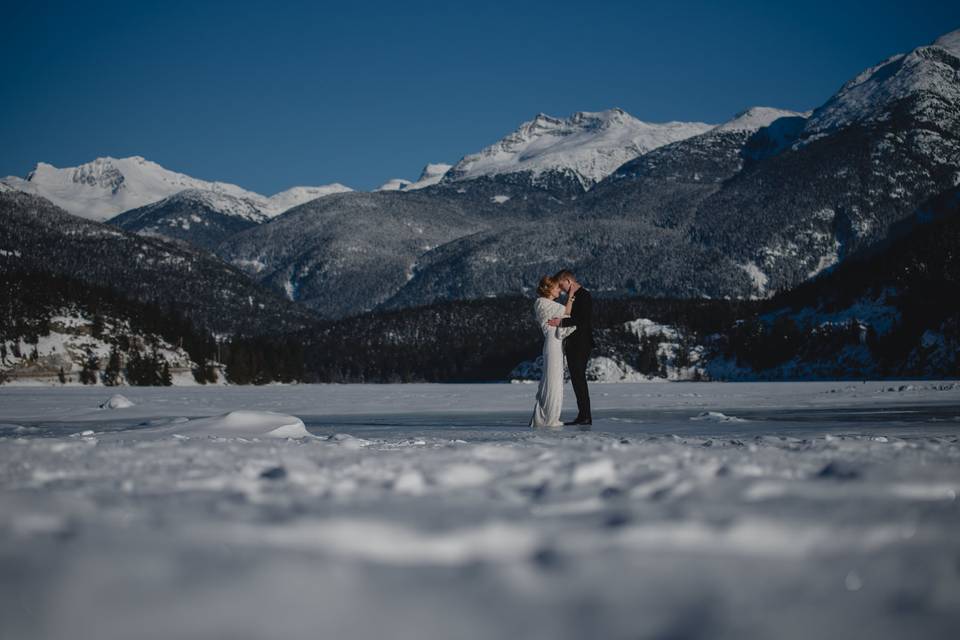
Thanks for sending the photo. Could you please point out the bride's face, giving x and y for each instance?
(555, 292)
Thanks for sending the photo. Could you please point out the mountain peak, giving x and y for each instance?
(433, 170)
(106, 186)
(431, 175)
(394, 184)
(950, 42)
(756, 118)
(589, 145)
(928, 74)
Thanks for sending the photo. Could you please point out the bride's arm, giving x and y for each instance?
(542, 312)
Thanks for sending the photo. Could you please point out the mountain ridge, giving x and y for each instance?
(107, 186)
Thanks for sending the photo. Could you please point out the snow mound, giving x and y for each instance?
(247, 423)
(604, 369)
(117, 401)
(716, 416)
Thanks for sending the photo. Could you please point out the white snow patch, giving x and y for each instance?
(758, 277)
(600, 471)
(462, 475)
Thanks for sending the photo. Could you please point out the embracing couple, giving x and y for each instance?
(566, 328)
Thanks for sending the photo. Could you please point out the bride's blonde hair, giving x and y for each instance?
(546, 284)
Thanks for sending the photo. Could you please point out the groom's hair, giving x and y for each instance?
(564, 273)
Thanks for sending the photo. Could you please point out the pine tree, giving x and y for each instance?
(96, 330)
(111, 375)
(88, 374)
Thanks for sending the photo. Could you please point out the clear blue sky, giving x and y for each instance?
(273, 94)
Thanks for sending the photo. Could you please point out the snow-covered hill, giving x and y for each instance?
(105, 187)
(74, 351)
(201, 218)
(587, 146)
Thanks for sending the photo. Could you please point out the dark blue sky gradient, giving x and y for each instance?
(274, 94)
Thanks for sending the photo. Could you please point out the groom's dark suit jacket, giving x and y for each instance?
(581, 317)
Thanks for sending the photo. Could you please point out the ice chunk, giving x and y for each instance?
(716, 416)
(117, 401)
(348, 441)
(246, 423)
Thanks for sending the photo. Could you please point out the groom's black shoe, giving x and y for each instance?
(580, 421)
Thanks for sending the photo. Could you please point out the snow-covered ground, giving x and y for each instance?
(786, 510)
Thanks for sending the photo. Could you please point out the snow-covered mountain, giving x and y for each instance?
(587, 147)
(105, 187)
(431, 175)
(927, 75)
(717, 154)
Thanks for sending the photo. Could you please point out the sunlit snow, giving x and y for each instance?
(791, 510)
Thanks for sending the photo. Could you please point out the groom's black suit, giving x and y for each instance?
(577, 348)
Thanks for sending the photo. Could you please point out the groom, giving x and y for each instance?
(578, 345)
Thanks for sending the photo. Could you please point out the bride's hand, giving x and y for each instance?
(574, 287)
(554, 322)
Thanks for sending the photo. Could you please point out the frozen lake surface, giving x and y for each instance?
(787, 510)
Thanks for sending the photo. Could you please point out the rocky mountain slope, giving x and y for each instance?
(347, 253)
(39, 237)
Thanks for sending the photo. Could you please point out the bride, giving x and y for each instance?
(546, 413)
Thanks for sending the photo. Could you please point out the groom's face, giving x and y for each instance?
(565, 285)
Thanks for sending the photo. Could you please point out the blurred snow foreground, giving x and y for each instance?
(790, 510)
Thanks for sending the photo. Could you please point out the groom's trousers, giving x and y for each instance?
(577, 364)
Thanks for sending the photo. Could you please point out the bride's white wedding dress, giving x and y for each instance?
(546, 413)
